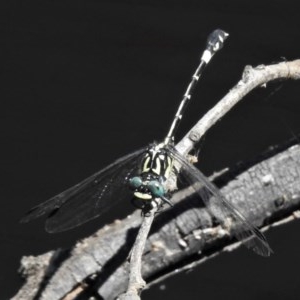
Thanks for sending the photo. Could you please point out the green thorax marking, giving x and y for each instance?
(157, 161)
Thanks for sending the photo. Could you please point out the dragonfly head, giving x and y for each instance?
(146, 189)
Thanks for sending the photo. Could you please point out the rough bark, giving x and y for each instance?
(266, 191)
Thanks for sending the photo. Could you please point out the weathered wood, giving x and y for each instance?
(186, 235)
(266, 191)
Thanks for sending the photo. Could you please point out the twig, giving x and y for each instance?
(251, 78)
(136, 282)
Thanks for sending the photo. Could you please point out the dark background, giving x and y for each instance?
(84, 82)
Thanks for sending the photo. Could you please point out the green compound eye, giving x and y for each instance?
(156, 188)
(135, 182)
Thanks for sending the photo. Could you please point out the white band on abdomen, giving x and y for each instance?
(206, 56)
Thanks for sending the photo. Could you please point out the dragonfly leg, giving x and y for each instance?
(166, 200)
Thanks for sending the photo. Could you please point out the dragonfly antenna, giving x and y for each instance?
(214, 43)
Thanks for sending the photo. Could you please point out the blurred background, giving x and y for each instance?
(85, 82)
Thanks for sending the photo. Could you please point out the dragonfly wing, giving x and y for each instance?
(89, 198)
(221, 208)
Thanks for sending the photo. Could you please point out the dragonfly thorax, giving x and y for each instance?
(157, 161)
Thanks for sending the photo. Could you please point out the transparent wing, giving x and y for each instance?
(219, 207)
(89, 198)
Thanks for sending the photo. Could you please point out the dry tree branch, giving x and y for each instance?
(251, 79)
(184, 232)
(136, 282)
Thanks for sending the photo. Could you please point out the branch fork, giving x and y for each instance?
(251, 79)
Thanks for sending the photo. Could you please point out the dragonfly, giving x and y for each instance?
(144, 172)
